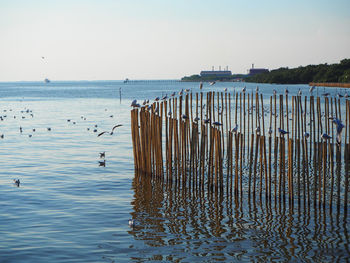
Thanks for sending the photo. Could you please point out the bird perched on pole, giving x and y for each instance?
(339, 128)
(326, 137)
(281, 131)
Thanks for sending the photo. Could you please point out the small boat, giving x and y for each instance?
(47, 81)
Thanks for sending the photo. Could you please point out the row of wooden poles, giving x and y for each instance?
(230, 142)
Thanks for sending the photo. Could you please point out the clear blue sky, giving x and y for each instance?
(160, 39)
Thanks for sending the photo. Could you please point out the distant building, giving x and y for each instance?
(217, 73)
(254, 71)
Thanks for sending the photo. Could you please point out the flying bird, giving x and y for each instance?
(111, 133)
(102, 154)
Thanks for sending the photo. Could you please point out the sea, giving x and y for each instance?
(74, 205)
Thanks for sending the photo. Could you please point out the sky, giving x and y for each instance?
(166, 39)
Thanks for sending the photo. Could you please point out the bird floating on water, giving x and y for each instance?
(17, 182)
(102, 163)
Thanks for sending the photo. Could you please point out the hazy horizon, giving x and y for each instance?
(113, 40)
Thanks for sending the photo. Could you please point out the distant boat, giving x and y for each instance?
(47, 81)
(126, 80)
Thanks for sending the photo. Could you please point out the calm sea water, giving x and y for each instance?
(68, 208)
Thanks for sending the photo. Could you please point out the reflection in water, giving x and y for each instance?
(199, 222)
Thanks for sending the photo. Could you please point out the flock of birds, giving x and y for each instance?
(339, 125)
(23, 119)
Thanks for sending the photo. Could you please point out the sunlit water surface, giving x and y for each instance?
(68, 208)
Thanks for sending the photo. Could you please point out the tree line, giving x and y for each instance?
(303, 75)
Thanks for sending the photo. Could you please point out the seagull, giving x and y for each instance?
(134, 103)
(206, 121)
(281, 131)
(225, 89)
(286, 91)
(169, 112)
(111, 133)
(173, 94)
(116, 126)
(339, 129)
(144, 102)
(17, 182)
(235, 129)
(131, 223)
(201, 85)
(306, 135)
(257, 89)
(299, 92)
(325, 136)
(165, 97)
(212, 83)
(312, 89)
(156, 99)
(244, 89)
(180, 92)
(102, 163)
(196, 119)
(187, 90)
(257, 129)
(325, 94)
(184, 116)
(217, 123)
(270, 130)
(102, 154)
